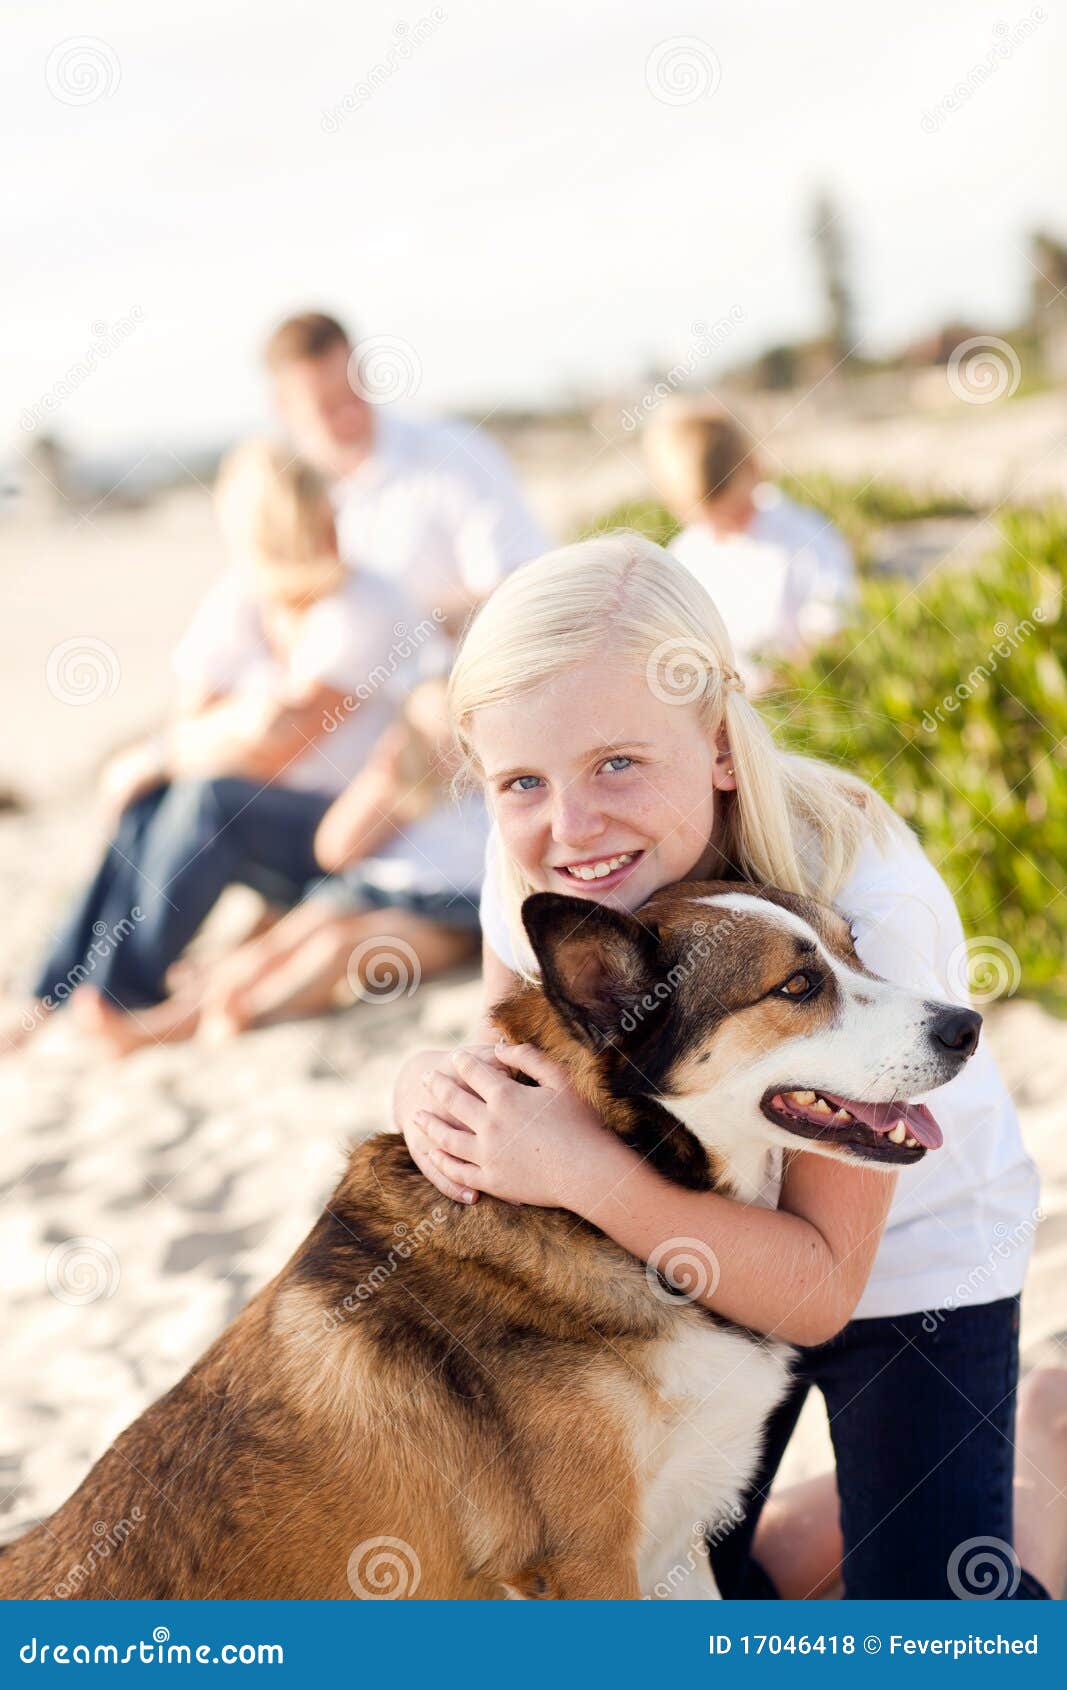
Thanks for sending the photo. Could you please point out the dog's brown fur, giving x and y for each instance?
(462, 1381)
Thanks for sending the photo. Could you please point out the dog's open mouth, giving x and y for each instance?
(882, 1132)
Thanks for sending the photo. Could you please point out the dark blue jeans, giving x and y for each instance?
(172, 855)
(922, 1416)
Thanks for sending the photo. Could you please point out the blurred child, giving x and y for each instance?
(398, 901)
(290, 674)
(781, 574)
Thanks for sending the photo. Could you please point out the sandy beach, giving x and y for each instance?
(144, 1202)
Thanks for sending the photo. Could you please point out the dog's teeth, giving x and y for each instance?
(820, 1107)
(804, 1098)
(841, 1116)
(912, 1143)
(899, 1133)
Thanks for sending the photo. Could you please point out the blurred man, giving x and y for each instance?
(433, 505)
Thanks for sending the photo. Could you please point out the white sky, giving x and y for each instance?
(513, 201)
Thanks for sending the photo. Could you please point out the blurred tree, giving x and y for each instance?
(831, 254)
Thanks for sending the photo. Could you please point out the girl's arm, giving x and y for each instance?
(797, 1271)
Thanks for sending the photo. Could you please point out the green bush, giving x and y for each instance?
(645, 516)
(860, 508)
(950, 697)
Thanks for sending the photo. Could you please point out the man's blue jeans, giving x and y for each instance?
(173, 853)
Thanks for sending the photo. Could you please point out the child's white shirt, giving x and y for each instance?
(782, 584)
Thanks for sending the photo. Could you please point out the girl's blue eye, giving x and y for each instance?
(617, 764)
(518, 784)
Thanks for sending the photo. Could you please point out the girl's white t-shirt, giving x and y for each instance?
(962, 1222)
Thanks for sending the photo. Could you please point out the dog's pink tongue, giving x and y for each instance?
(882, 1117)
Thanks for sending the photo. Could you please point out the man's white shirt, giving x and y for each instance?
(436, 508)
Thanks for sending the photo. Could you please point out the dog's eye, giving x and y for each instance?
(801, 985)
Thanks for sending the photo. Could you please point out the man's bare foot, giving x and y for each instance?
(20, 1021)
(111, 1026)
(220, 1024)
(124, 1031)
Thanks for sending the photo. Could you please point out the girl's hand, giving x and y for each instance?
(485, 1131)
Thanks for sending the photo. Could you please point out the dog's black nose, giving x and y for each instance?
(957, 1031)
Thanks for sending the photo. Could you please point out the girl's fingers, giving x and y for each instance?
(457, 1141)
(462, 1106)
(462, 1173)
(531, 1061)
(421, 1154)
(486, 1079)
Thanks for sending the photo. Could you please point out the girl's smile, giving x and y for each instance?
(598, 874)
(598, 787)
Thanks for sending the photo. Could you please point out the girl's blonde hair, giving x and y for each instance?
(792, 822)
(275, 514)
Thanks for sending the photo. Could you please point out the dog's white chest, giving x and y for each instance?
(700, 1447)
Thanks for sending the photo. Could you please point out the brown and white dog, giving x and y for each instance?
(443, 1401)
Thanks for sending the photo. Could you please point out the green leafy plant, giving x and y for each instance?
(950, 697)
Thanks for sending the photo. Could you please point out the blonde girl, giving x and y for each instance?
(597, 701)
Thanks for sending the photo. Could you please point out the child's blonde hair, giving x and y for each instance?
(275, 514)
(792, 822)
(696, 454)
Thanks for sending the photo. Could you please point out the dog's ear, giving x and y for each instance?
(596, 963)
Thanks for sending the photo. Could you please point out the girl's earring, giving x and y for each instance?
(730, 771)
